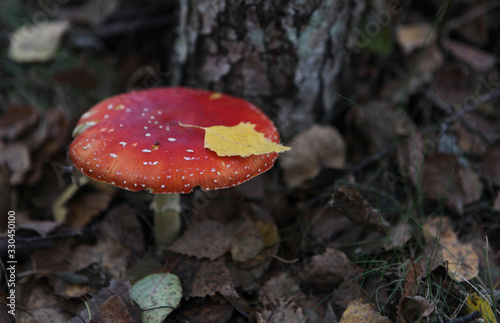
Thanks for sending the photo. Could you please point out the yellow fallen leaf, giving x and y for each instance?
(480, 304)
(241, 140)
(359, 312)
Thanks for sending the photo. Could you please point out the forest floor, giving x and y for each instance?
(390, 213)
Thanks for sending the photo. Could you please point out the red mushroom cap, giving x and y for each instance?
(134, 141)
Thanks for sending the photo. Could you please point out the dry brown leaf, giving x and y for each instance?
(375, 125)
(18, 120)
(17, 158)
(254, 240)
(399, 235)
(207, 239)
(426, 63)
(40, 304)
(113, 310)
(491, 166)
(349, 202)
(410, 158)
(459, 259)
(473, 56)
(330, 268)
(413, 277)
(469, 142)
(84, 208)
(414, 309)
(284, 310)
(281, 286)
(316, 148)
(444, 178)
(5, 308)
(475, 28)
(496, 204)
(452, 84)
(358, 312)
(80, 77)
(119, 240)
(202, 278)
(116, 288)
(246, 241)
(195, 311)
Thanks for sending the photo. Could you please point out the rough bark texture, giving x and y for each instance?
(284, 56)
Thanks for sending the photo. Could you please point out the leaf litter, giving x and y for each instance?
(371, 216)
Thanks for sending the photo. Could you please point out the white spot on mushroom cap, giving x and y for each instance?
(113, 155)
(190, 151)
(148, 135)
(146, 150)
(172, 139)
(123, 143)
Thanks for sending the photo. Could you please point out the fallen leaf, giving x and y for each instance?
(414, 309)
(399, 235)
(84, 208)
(40, 304)
(207, 239)
(475, 28)
(482, 305)
(36, 43)
(445, 179)
(358, 312)
(157, 295)
(491, 166)
(117, 288)
(283, 310)
(315, 148)
(17, 121)
(459, 259)
(496, 204)
(202, 278)
(43, 228)
(414, 274)
(241, 140)
(113, 310)
(452, 84)
(246, 241)
(17, 158)
(468, 141)
(197, 311)
(476, 58)
(330, 268)
(349, 202)
(5, 308)
(79, 77)
(281, 286)
(120, 240)
(414, 36)
(374, 126)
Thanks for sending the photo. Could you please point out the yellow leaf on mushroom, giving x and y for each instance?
(240, 140)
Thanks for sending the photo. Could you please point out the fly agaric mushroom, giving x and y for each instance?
(138, 141)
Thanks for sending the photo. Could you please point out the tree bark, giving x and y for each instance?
(284, 56)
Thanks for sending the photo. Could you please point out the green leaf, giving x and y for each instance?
(157, 295)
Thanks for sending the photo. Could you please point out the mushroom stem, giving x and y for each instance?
(167, 219)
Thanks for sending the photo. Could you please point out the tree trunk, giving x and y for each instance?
(284, 56)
